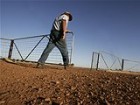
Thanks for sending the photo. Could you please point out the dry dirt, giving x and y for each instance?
(25, 85)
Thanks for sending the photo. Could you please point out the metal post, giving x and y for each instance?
(98, 61)
(122, 67)
(11, 49)
(72, 47)
(92, 61)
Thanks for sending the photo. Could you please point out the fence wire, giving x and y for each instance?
(131, 65)
(107, 61)
(31, 48)
(4, 47)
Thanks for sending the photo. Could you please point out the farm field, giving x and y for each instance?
(23, 84)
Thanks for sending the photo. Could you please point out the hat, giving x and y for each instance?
(70, 16)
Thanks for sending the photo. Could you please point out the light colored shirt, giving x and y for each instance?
(58, 20)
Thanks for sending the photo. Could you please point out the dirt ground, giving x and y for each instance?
(22, 84)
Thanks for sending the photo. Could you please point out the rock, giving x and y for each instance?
(2, 102)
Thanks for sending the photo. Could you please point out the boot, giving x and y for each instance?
(40, 65)
(65, 67)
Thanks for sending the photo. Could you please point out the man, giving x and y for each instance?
(57, 39)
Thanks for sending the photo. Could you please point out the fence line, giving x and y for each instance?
(31, 48)
(131, 64)
(104, 60)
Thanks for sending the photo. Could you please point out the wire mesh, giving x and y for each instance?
(131, 65)
(109, 61)
(4, 47)
(31, 48)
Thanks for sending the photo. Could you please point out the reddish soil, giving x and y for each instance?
(25, 85)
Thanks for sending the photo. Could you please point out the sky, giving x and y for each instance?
(98, 25)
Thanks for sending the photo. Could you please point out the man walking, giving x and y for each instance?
(57, 39)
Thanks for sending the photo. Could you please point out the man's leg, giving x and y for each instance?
(61, 45)
(46, 53)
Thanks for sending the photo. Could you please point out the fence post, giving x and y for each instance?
(92, 61)
(122, 67)
(97, 66)
(11, 49)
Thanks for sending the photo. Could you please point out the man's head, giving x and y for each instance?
(69, 14)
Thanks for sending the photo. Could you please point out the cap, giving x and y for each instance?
(70, 15)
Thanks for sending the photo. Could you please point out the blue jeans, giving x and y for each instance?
(55, 41)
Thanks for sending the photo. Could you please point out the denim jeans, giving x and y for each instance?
(55, 41)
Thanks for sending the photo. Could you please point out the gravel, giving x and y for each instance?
(25, 85)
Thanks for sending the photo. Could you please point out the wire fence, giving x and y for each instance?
(4, 47)
(107, 61)
(31, 48)
(131, 65)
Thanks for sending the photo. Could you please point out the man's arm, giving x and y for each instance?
(64, 28)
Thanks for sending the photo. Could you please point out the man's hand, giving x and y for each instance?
(68, 31)
(64, 35)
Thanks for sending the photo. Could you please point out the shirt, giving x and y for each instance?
(58, 20)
